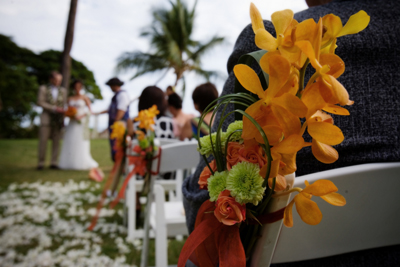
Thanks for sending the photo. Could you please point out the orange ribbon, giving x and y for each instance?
(140, 168)
(119, 156)
(212, 243)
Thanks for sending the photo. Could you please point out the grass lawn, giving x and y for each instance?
(46, 213)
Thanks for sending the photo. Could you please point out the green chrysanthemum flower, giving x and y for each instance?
(216, 184)
(245, 183)
(237, 136)
(144, 143)
(205, 142)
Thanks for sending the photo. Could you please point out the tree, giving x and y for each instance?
(69, 37)
(171, 45)
(21, 73)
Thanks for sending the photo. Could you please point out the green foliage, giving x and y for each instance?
(21, 73)
(171, 45)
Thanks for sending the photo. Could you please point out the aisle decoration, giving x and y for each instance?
(118, 133)
(252, 157)
(144, 151)
(142, 158)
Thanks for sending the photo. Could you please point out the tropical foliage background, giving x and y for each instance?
(21, 73)
(172, 46)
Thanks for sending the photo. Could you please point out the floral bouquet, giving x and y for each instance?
(143, 152)
(71, 112)
(253, 156)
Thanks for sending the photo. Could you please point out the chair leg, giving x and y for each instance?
(161, 246)
(131, 203)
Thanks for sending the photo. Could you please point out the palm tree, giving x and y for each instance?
(69, 37)
(171, 46)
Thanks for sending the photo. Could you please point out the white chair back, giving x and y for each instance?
(368, 220)
(177, 156)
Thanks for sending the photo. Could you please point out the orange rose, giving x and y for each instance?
(228, 211)
(205, 174)
(252, 154)
(232, 155)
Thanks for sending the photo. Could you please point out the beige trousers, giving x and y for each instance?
(46, 132)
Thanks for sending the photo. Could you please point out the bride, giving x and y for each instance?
(75, 152)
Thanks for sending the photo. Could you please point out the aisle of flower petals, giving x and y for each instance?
(44, 224)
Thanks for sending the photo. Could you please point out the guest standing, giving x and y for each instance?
(52, 98)
(118, 109)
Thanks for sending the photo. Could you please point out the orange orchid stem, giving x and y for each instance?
(302, 74)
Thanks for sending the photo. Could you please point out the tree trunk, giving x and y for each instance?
(69, 37)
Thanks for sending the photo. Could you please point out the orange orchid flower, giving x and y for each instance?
(328, 67)
(276, 112)
(334, 27)
(146, 118)
(325, 135)
(284, 25)
(308, 209)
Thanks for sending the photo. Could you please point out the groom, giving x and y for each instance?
(53, 99)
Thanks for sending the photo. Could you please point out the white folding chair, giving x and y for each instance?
(177, 157)
(369, 219)
(167, 219)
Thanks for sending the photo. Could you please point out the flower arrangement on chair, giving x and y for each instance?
(253, 156)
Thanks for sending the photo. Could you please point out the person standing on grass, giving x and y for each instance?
(53, 99)
(118, 109)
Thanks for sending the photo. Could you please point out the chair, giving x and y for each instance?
(167, 219)
(368, 220)
(177, 157)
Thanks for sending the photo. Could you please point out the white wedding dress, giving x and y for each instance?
(75, 152)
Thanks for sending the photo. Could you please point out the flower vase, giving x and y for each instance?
(265, 246)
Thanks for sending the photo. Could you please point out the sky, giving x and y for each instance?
(105, 29)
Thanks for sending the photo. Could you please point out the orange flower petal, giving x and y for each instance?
(249, 130)
(274, 134)
(289, 164)
(265, 40)
(308, 210)
(326, 133)
(248, 78)
(333, 25)
(320, 188)
(282, 20)
(280, 183)
(307, 49)
(293, 104)
(289, 145)
(256, 19)
(340, 92)
(264, 61)
(324, 153)
(292, 84)
(336, 110)
(274, 169)
(334, 199)
(313, 99)
(335, 63)
(279, 72)
(355, 24)
(287, 215)
(289, 122)
(305, 29)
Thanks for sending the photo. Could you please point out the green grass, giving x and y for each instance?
(18, 161)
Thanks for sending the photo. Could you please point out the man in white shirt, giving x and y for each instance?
(52, 98)
(119, 107)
